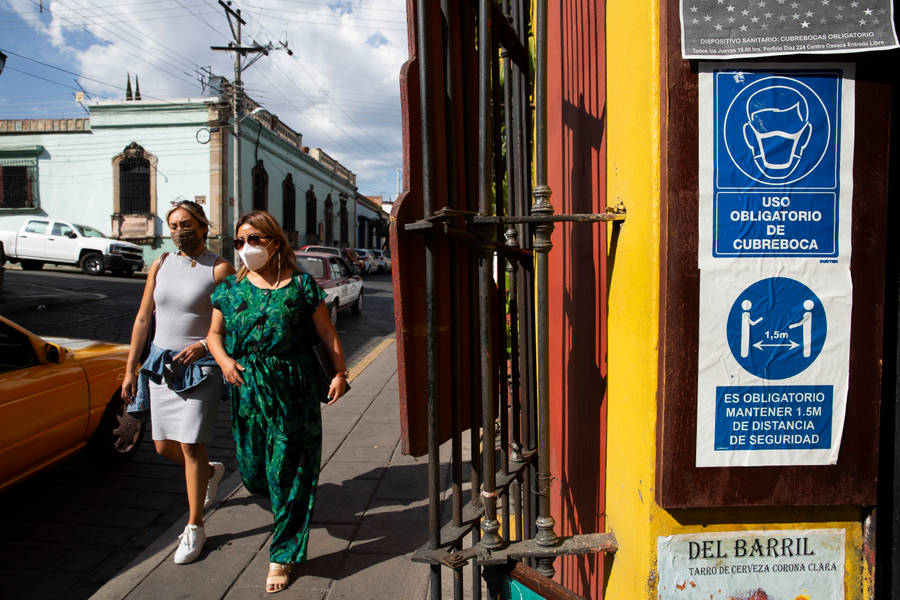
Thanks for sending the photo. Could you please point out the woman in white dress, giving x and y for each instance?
(185, 386)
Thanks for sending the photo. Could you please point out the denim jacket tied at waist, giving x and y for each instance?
(154, 369)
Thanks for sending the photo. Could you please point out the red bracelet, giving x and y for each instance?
(342, 374)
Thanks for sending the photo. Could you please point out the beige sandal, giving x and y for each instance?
(278, 578)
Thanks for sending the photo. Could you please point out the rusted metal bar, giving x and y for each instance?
(587, 543)
(426, 60)
(541, 219)
(490, 526)
(521, 148)
(452, 535)
(506, 37)
(545, 536)
(548, 589)
(448, 22)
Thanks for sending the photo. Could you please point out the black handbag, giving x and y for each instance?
(325, 371)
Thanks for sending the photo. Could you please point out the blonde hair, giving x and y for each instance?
(193, 209)
(268, 226)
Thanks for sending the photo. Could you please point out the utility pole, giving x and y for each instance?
(236, 90)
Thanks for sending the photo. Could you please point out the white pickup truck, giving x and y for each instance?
(44, 240)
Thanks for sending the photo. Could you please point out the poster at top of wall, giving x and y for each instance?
(805, 564)
(725, 29)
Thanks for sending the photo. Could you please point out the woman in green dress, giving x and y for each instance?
(260, 335)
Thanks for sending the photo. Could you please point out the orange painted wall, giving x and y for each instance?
(578, 281)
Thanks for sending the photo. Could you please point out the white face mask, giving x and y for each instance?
(255, 257)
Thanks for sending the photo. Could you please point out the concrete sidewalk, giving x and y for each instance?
(371, 514)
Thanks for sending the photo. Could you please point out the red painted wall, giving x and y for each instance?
(578, 281)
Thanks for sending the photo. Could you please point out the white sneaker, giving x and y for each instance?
(212, 488)
(191, 545)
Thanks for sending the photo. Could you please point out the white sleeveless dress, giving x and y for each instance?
(183, 313)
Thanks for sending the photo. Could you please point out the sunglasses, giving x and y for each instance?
(254, 239)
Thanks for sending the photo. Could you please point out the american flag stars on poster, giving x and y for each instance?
(719, 29)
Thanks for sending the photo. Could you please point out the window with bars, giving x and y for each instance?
(289, 204)
(260, 187)
(18, 186)
(311, 221)
(329, 219)
(134, 185)
(343, 218)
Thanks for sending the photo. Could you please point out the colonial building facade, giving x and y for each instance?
(121, 169)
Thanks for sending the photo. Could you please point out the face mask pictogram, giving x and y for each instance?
(777, 130)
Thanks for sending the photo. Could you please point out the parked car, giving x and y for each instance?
(333, 274)
(368, 259)
(44, 240)
(384, 263)
(57, 396)
(348, 254)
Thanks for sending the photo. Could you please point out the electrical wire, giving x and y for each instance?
(97, 36)
(325, 93)
(149, 38)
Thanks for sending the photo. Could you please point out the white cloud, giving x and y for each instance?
(340, 88)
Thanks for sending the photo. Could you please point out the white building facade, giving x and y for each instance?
(121, 169)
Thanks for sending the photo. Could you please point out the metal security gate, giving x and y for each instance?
(475, 228)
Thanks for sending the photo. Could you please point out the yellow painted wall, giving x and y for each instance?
(633, 177)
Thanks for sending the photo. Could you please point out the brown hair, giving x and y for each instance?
(193, 209)
(267, 225)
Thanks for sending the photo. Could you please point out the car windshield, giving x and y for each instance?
(361, 252)
(313, 265)
(88, 231)
(325, 249)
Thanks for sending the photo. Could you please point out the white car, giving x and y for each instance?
(371, 264)
(384, 263)
(334, 276)
(44, 240)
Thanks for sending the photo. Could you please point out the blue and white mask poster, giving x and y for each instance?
(775, 181)
(776, 150)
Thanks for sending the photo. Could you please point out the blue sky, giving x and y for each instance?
(339, 89)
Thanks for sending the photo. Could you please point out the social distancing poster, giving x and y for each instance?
(776, 151)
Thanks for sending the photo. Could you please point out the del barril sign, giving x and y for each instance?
(752, 564)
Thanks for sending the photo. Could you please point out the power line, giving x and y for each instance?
(325, 93)
(139, 57)
(214, 30)
(331, 16)
(65, 85)
(149, 38)
(329, 5)
(48, 65)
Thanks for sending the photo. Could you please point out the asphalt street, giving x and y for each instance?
(71, 528)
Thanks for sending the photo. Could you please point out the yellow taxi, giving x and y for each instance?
(58, 396)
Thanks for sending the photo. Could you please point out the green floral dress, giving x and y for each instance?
(276, 414)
